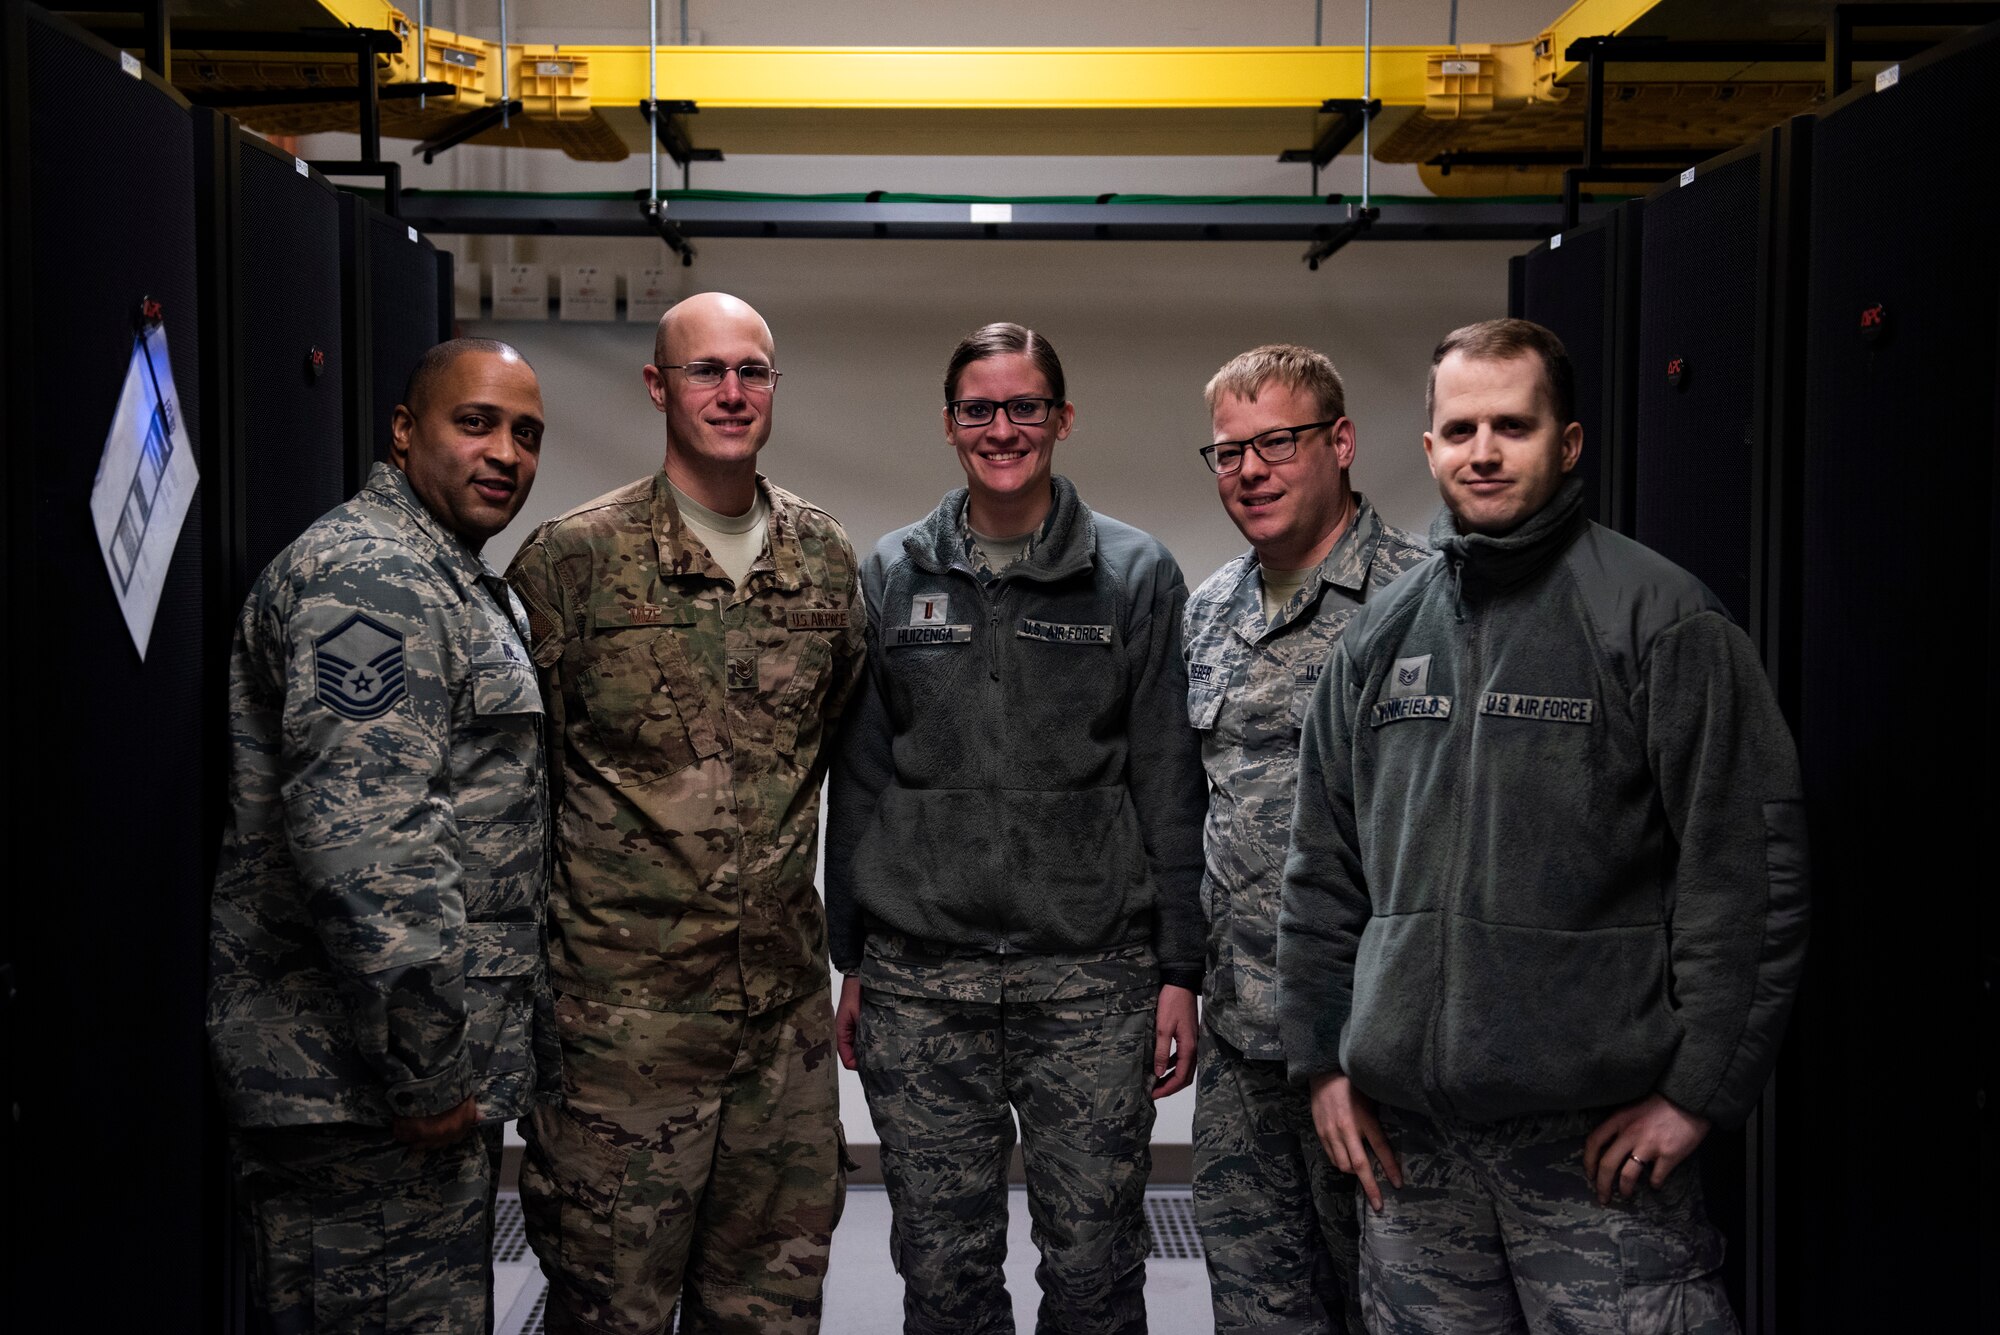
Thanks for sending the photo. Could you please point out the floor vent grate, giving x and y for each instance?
(510, 1233)
(1170, 1219)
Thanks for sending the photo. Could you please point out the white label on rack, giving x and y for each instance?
(300, 163)
(1461, 67)
(1687, 177)
(992, 213)
(589, 293)
(130, 64)
(1556, 241)
(413, 236)
(1888, 78)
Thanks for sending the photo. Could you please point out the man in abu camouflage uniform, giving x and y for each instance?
(377, 993)
(696, 631)
(1276, 1217)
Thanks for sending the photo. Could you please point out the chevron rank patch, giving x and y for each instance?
(358, 668)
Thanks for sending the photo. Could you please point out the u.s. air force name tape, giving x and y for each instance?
(1062, 632)
(816, 618)
(1545, 708)
(1408, 707)
(903, 636)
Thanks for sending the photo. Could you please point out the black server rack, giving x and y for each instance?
(113, 1162)
(1896, 1141)
(1583, 284)
(271, 248)
(391, 289)
(1716, 469)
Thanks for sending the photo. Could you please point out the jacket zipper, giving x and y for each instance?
(1461, 853)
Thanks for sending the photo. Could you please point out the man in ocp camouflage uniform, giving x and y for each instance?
(696, 631)
(1276, 1218)
(377, 993)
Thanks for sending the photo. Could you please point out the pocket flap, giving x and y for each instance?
(1202, 707)
(501, 949)
(576, 1161)
(504, 686)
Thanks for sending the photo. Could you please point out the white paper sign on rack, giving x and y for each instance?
(145, 483)
(648, 293)
(589, 293)
(520, 292)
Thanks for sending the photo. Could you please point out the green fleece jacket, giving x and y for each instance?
(1549, 848)
(1017, 772)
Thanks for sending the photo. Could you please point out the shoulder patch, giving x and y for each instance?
(358, 668)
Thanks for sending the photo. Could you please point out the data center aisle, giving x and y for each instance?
(863, 1294)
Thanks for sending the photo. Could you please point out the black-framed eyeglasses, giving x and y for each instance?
(1273, 446)
(1021, 412)
(750, 375)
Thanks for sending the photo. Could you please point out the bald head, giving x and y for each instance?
(706, 314)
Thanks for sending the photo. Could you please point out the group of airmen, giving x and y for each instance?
(1484, 854)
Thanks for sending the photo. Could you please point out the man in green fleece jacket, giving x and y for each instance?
(1544, 910)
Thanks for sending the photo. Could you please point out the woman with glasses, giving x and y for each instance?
(1013, 865)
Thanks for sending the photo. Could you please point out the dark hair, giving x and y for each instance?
(424, 375)
(1501, 340)
(999, 340)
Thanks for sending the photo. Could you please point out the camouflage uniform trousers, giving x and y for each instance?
(698, 1160)
(940, 1076)
(1276, 1217)
(1497, 1230)
(351, 1232)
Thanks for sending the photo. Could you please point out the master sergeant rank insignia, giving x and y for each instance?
(358, 668)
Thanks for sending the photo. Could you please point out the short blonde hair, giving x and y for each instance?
(1286, 364)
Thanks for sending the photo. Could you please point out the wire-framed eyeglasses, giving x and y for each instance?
(750, 375)
(1273, 447)
(1021, 412)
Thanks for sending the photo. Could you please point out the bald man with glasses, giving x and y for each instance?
(1277, 1220)
(697, 632)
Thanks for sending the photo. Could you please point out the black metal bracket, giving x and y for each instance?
(1842, 50)
(1359, 220)
(390, 172)
(664, 116)
(285, 97)
(1560, 157)
(655, 211)
(465, 127)
(1351, 114)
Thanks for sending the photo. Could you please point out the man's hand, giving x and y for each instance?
(439, 1129)
(1173, 1041)
(1345, 1120)
(1643, 1141)
(846, 1016)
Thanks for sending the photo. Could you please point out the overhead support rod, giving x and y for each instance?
(464, 128)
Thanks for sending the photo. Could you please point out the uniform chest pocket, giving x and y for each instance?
(648, 710)
(795, 703)
(503, 688)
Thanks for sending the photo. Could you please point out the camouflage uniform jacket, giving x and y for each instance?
(692, 721)
(1248, 687)
(376, 936)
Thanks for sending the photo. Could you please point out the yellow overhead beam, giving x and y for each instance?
(1005, 78)
(1585, 18)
